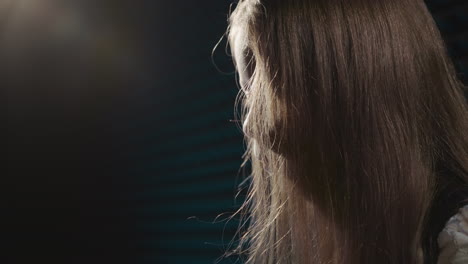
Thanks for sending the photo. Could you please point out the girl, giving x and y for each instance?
(357, 132)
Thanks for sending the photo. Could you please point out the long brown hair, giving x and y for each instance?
(354, 110)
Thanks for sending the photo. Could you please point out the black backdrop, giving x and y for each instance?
(119, 146)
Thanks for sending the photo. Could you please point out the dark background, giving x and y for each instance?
(118, 140)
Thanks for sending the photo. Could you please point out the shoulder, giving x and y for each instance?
(453, 239)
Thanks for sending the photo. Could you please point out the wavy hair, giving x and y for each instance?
(354, 117)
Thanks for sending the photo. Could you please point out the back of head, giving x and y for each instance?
(354, 111)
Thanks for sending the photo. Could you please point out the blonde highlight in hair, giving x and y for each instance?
(355, 113)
